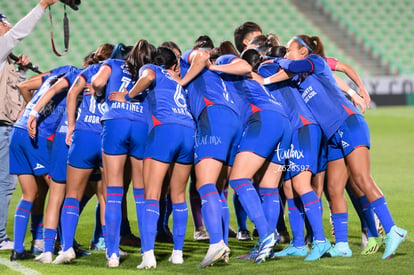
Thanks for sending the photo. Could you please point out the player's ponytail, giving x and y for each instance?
(318, 46)
(313, 44)
(141, 54)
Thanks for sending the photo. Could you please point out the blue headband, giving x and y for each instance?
(300, 40)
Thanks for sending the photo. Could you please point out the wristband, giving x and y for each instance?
(127, 97)
(266, 81)
(34, 113)
(351, 92)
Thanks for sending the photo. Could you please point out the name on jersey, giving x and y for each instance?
(180, 111)
(63, 129)
(137, 108)
(308, 94)
(92, 119)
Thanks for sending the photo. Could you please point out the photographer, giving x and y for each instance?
(11, 103)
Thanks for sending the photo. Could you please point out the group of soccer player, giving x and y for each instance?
(254, 118)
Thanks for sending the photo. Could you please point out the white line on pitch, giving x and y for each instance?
(15, 266)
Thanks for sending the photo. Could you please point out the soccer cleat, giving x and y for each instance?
(284, 237)
(214, 254)
(112, 261)
(364, 238)
(244, 235)
(57, 248)
(45, 257)
(130, 240)
(14, 256)
(37, 247)
(339, 250)
(176, 257)
(393, 239)
(308, 238)
(318, 250)
(80, 252)
(122, 253)
(65, 257)
(265, 248)
(255, 232)
(99, 246)
(372, 246)
(252, 254)
(6, 244)
(291, 250)
(379, 226)
(200, 234)
(148, 260)
(226, 256)
(232, 232)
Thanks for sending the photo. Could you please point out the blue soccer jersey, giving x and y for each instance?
(287, 93)
(91, 108)
(255, 95)
(63, 123)
(320, 92)
(167, 100)
(121, 81)
(50, 115)
(207, 88)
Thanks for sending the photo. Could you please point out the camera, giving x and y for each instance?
(72, 3)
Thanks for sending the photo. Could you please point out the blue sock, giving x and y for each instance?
(368, 217)
(311, 204)
(356, 203)
(69, 219)
(241, 215)
(271, 205)
(296, 221)
(252, 205)
(49, 236)
(139, 207)
(180, 217)
(150, 215)
(211, 210)
(340, 222)
(21, 219)
(380, 208)
(36, 226)
(139, 203)
(97, 231)
(225, 217)
(113, 216)
(309, 231)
